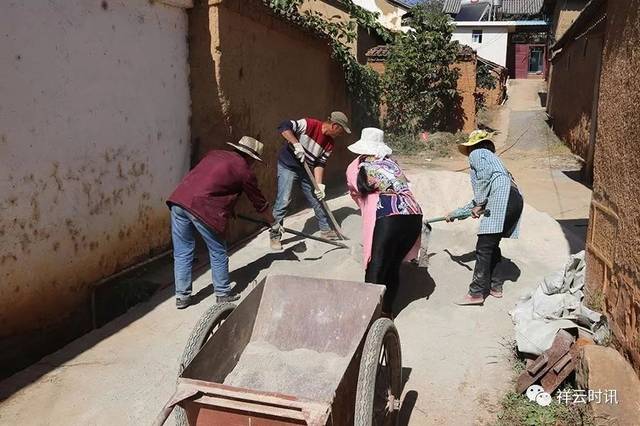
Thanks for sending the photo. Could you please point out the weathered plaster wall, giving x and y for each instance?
(613, 268)
(249, 71)
(571, 90)
(94, 133)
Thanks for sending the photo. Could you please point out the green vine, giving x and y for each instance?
(420, 82)
(364, 84)
(368, 20)
(484, 80)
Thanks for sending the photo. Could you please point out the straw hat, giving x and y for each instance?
(250, 146)
(475, 138)
(371, 143)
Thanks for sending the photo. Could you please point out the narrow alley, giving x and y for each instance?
(319, 212)
(455, 360)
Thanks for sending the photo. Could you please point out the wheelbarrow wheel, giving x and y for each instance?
(208, 323)
(380, 377)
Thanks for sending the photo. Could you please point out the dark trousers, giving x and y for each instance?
(488, 253)
(393, 238)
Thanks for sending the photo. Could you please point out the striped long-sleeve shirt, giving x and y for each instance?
(317, 146)
(491, 183)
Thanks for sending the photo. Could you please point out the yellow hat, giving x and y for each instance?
(475, 138)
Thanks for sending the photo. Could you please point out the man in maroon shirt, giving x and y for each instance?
(203, 202)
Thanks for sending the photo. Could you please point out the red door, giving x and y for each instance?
(530, 60)
(522, 60)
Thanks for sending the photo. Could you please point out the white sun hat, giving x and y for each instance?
(371, 143)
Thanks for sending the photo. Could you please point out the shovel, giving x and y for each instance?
(325, 206)
(458, 214)
(291, 231)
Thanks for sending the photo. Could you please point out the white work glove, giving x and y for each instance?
(320, 192)
(298, 151)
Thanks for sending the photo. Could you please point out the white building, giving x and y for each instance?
(490, 38)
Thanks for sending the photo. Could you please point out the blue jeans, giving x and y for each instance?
(183, 225)
(286, 179)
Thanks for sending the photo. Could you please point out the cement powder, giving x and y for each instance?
(301, 372)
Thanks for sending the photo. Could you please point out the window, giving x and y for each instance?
(476, 36)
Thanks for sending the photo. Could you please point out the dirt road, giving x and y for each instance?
(454, 357)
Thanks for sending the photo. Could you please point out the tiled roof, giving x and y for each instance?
(403, 3)
(380, 53)
(492, 65)
(510, 7)
(377, 54)
(466, 52)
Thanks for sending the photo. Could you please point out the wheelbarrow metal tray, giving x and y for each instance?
(288, 354)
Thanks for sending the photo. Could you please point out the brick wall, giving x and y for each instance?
(613, 267)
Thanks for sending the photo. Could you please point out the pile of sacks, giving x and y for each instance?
(557, 304)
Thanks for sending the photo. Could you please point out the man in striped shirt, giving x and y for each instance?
(309, 140)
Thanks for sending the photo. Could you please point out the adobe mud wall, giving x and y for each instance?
(249, 71)
(613, 268)
(565, 12)
(93, 135)
(574, 74)
(464, 117)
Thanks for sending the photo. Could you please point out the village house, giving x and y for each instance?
(511, 33)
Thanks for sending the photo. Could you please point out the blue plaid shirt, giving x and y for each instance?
(491, 183)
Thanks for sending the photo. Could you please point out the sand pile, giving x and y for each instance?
(300, 372)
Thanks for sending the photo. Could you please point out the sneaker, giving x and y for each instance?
(227, 298)
(275, 235)
(275, 244)
(496, 293)
(329, 235)
(183, 302)
(470, 300)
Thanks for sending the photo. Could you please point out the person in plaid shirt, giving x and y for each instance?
(498, 201)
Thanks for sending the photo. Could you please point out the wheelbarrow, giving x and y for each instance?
(295, 351)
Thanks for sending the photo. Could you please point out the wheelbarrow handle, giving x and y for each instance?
(182, 393)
